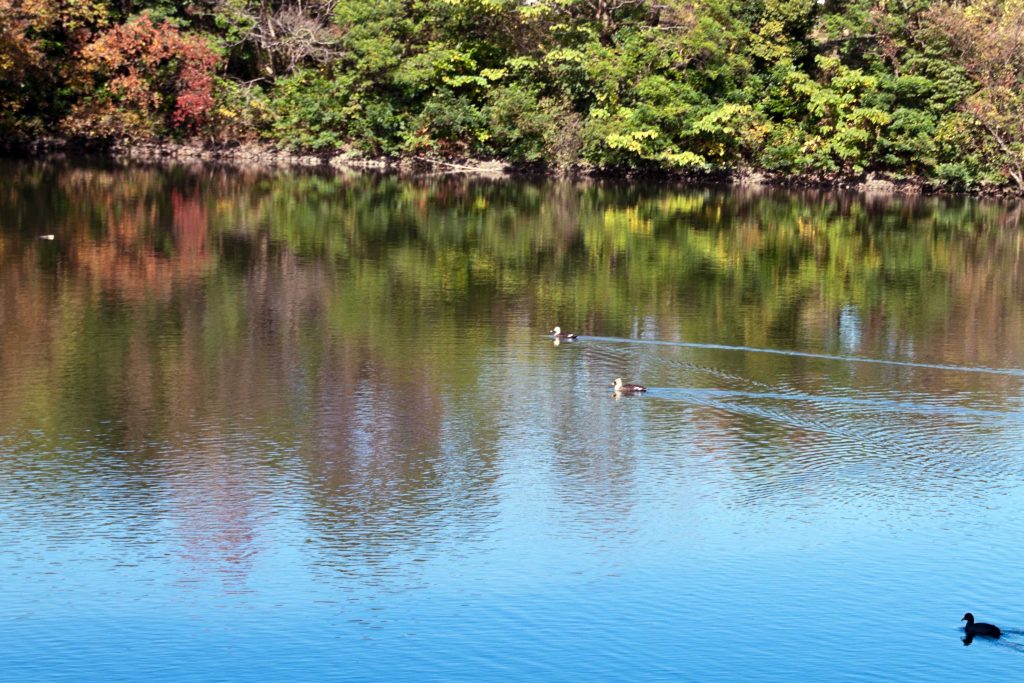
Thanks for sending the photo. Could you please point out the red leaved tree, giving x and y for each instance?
(143, 78)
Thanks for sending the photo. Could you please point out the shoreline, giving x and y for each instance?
(261, 155)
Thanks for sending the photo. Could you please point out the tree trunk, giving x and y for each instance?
(605, 16)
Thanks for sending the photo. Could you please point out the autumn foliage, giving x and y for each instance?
(145, 76)
(20, 55)
(827, 90)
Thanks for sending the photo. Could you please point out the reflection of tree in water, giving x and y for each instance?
(356, 316)
(215, 510)
(392, 473)
(594, 464)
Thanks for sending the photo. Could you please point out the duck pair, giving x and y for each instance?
(620, 387)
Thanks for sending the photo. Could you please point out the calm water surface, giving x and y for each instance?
(275, 426)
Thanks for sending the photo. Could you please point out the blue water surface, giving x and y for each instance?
(294, 427)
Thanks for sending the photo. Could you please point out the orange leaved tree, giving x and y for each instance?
(144, 78)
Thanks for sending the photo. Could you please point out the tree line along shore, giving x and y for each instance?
(905, 93)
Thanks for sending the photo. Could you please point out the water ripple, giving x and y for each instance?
(1015, 372)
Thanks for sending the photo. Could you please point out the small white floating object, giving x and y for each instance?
(47, 237)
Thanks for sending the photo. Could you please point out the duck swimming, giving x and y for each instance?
(621, 388)
(980, 628)
(563, 336)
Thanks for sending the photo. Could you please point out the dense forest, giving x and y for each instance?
(932, 91)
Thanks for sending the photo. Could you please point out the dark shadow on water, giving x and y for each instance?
(967, 639)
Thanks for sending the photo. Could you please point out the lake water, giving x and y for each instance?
(287, 426)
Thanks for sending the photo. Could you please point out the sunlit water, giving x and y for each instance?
(274, 426)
